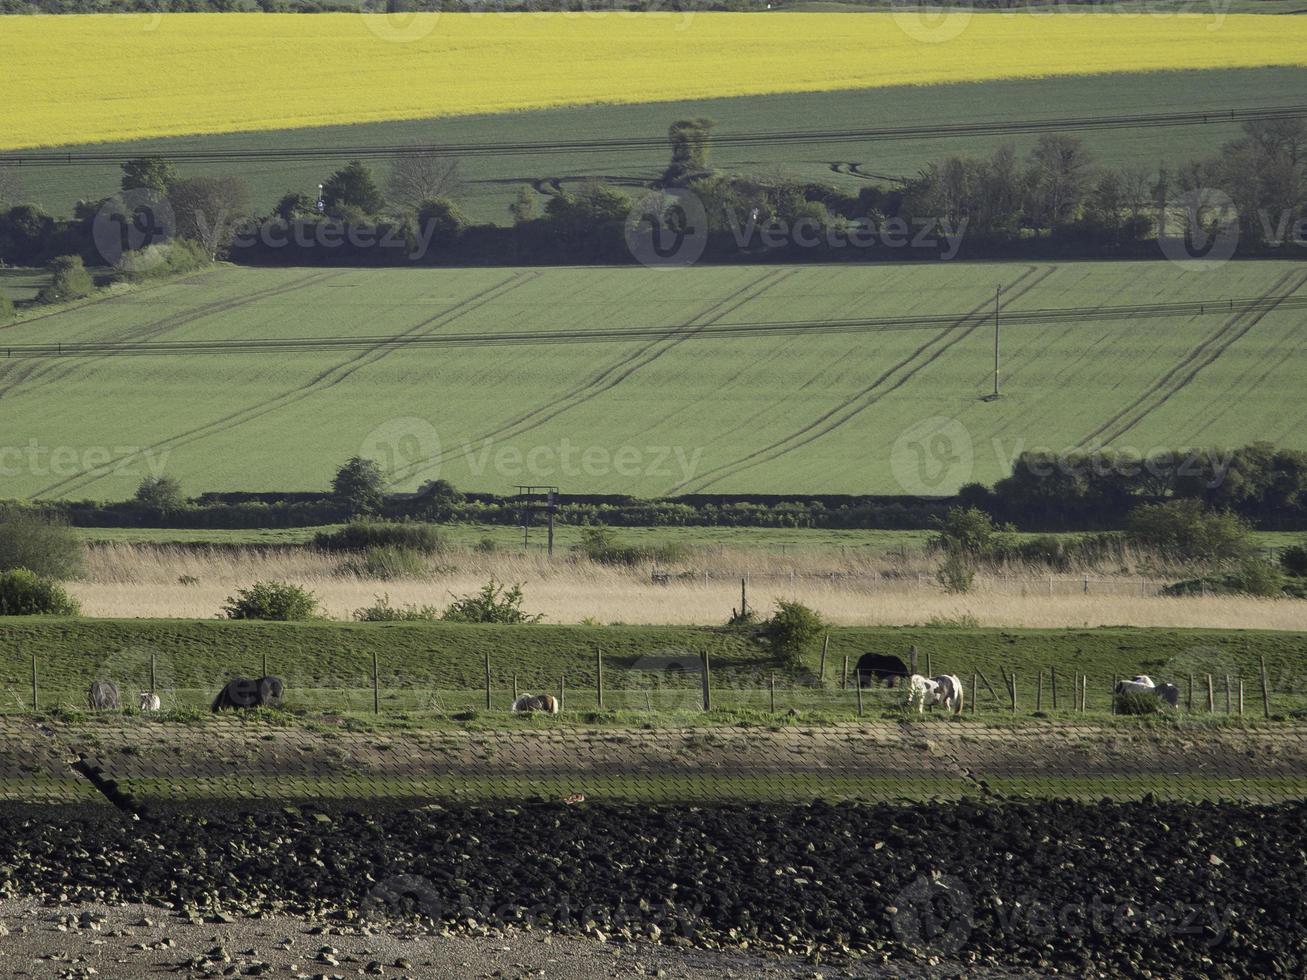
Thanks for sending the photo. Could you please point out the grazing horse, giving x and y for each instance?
(921, 690)
(529, 703)
(241, 692)
(878, 668)
(149, 701)
(948, 692)
(103, 696)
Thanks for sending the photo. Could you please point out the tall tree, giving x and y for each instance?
(352, 186)
(1058, 177)
(691, 142)
(420, 175)
(209, 209)
(148, 173)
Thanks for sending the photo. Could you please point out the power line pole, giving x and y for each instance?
(998, 291)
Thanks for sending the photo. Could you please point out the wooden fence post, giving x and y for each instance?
(265, 665)
(912, 659)
(36, 702)
(825, 645)
(988, 686)
(1189, 697)
(1114, 682)
(744, 598)
(153, 683)
(562, 692)
(929, 671)
(858, 687)
(973, 692)
(487, 678)
(1266, 689)
(1227, 694)
(771, 686)
(515, 687)
(1240, 697)
(1084, 693)
(844, 678)
(599, 677)
(376, 691)
(707, 687)
(1052, 683)
(1211, 695)
(1013, 688)
(1039, 691)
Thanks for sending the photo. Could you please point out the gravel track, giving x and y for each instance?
(1134, 889)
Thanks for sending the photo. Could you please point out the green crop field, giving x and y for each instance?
(492, 182)
(893, 411)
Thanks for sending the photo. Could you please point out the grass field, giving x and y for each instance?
(423, 667)
(490, 183)
(855, 413)
(228, 72)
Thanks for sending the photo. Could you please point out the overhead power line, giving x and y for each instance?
(715, 331)
(45, 158)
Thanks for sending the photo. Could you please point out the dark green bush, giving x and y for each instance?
(38, 542)
(272, 600)
(493, 604)
(382, 611)
(792, 631)
(24, 593)
(600, 545)
(1293, 560)
(68, 280)
(1187, 531)
(362, 535)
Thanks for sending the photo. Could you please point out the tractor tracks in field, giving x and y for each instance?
(1206, 353)
(618, 371)
(40, 373)
(322, 381)
(887, 382)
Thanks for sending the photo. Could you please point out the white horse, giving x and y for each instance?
(946, 689)
(921, 691)
(948, 692)
(149, 701)
(528, 703)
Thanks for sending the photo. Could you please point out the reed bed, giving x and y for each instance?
(131, 580)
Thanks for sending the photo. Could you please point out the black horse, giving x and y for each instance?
(242, 692)
(878, 668)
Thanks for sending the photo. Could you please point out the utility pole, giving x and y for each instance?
(998, 291)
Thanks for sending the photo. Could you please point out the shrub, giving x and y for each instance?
(40, 543)
(493, 604)
(1257, 577)
(1293, 560)
(68, 280)
(1185, 530)
(279, 601)
(6, 308)
(486, 546)
(968, 531)
(792, 631)
(955, 573)
(600, 545)
(382, 611)
(24, 593)
(1138, 703)
(386, 563)
(362, 535)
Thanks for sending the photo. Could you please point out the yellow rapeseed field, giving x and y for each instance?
(77, 79)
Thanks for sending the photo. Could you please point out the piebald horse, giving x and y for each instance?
(946, 689)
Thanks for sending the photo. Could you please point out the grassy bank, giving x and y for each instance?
(328, 665)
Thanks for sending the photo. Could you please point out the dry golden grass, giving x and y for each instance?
(142, 580)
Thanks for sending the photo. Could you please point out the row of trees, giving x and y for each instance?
(1055, 199)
